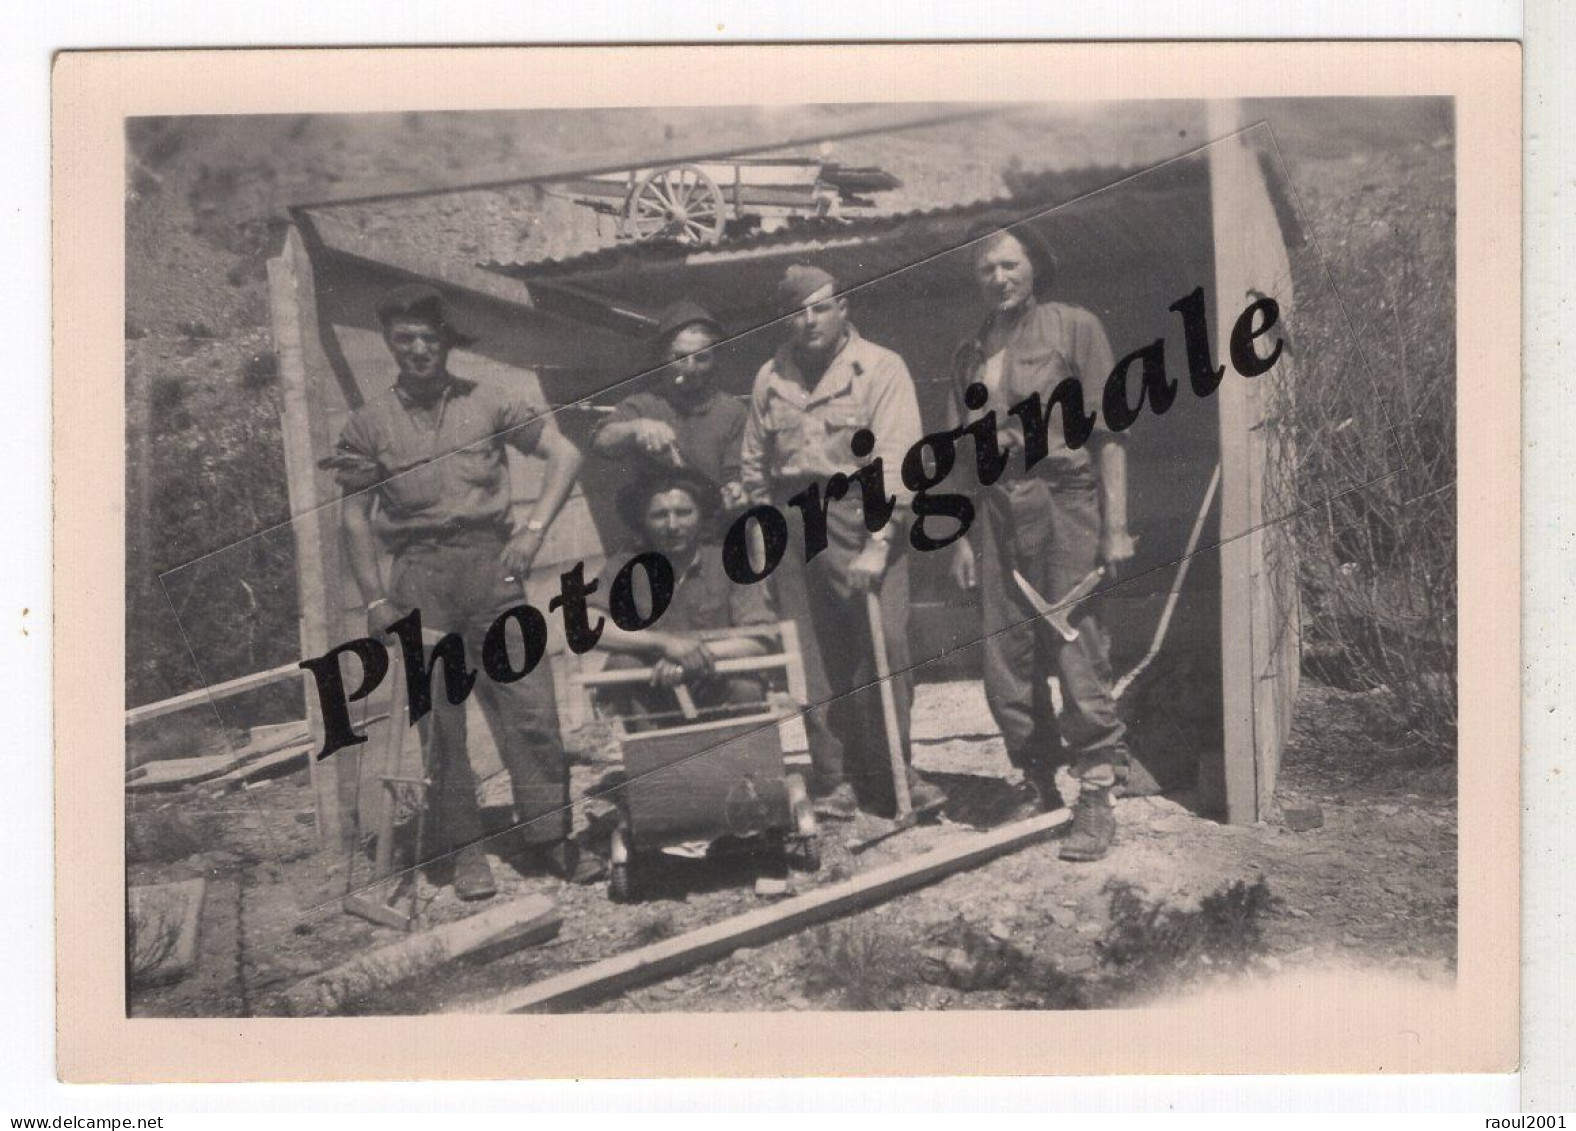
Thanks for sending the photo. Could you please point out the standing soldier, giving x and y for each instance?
(425, 474)
(683, 419)
(818, 390)
(1053, 524)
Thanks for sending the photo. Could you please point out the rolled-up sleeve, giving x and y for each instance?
(1093, 361)
(355, 462)
(519, 421)
(624, 412)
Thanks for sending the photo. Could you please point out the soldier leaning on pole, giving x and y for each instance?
(820, 390)
(426, 476)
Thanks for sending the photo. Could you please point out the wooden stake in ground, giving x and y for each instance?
(496, 931)
(664, 959)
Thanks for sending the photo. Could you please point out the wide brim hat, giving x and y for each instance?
(426, 302)
(1028, 235)
(635, 496)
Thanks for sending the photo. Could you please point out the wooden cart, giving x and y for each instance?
(715, 778)
(700, 202)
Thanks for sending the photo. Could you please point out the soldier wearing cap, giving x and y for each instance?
(676, 511)
(679, 417)
(1054, 524)
(822, 387)
(426, 477)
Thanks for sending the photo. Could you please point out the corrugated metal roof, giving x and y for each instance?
(1034, 195)
(809, 233)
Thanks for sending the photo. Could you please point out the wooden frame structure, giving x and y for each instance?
(562, 340)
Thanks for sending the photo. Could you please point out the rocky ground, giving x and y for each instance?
(1372, 883)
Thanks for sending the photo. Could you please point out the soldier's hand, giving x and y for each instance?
(965, 566)
(734, 498)
(520, 551)
(867, 568)
(382, 614)
(690, 654)
(665, 673)
(1117, 548)
(655, 438)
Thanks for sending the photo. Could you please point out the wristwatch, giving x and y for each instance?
(535, 525)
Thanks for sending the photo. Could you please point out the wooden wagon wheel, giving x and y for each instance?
(680, 203)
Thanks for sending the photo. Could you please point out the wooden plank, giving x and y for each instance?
(1258, 583)
(271, 736)
(269, 765)
(174, 773)
(165, 919)
(289, 298)
(1236, 472)
(622, 677)
(491, 934)
(204, 695)
(664, 959)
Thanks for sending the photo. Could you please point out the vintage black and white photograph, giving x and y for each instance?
(774, 558)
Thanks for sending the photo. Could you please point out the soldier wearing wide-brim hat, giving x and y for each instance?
(674, 414)
(674, 511)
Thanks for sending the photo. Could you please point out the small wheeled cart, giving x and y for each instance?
(710, 781)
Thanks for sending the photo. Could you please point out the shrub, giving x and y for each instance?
(1377, 563)
(1152, 943)
(867, 967)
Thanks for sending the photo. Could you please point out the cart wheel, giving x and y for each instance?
(680, 203)
(807, 856)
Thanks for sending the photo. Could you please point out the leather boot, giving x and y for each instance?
(473, 878)
(839, 805)
(923, 797)
(1094, 825)
(564, 859)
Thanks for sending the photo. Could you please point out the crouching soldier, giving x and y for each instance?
(426, 476)
(676, 510)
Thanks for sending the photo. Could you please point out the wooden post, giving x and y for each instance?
(285, 297)
(1258, 647)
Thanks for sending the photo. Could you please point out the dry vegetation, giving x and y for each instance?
(1378, 561)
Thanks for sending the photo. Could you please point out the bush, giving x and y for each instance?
(1153, 943)
(1377, 563)
(866, 967)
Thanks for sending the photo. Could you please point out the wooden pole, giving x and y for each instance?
(1236, 518)
(301, 479)
(671, 956)
(894, 737)
(204, 695)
